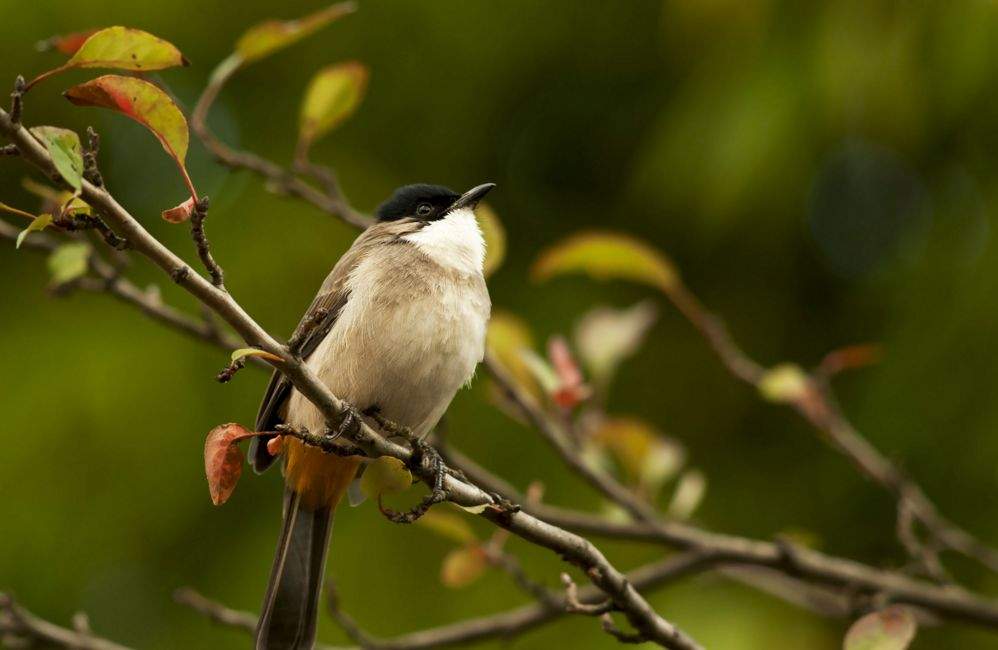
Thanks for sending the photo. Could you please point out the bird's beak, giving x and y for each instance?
(471, 198)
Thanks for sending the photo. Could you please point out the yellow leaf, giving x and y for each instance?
(647, 456)
(449, 525)
(123, 48)
(254, 352)
(495, 237)
(784, 383)
(463, 566)
(689, 493)
(268, 37)
(508, 336)
(605, 255)
(332, 96)
(385, 475)
(126, 49)
(37, 224)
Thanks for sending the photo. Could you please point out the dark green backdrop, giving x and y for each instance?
(822, 172)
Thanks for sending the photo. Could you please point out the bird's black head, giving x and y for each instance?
(428, 202)
(422, 201)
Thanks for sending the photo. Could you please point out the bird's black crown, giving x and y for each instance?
(421, 201)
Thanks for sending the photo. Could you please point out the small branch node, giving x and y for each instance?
(17, 101)
(230, 371)
(201, 242)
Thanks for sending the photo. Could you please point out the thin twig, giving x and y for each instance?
(198, 216)
(17, 623)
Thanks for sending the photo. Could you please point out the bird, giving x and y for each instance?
(397, 328)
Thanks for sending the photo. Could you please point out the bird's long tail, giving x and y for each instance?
(288, 617)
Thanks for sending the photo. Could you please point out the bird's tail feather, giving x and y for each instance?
(288, 619)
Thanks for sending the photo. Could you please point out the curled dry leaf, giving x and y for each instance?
(254, 352)
(463, 566)
(223, 461)
(892, 628)
(180, 213)
(607, 255)
(266, 38)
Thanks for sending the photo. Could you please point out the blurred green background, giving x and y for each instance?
(822, 173)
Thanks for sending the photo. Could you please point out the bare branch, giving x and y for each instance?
(198, 216)
(17, 623)
(817, 405)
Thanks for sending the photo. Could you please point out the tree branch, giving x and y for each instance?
(18, 624)
(573, 548)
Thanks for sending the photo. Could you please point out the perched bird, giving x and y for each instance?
(398, 327)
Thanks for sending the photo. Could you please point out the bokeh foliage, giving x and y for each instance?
(822, 173)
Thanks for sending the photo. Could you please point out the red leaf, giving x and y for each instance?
(67, 44)
(223, 461)
(571, 389)
(181, 213)
(275, 445)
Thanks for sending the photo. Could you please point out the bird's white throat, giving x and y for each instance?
(454, 242)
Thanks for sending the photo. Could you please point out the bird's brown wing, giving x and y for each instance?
(319, 318)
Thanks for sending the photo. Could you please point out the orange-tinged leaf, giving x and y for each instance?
(180, 213)
(892, 628)
(122, 48)
(66, 44)
(606, 255)
(647, 457)
(332, 96)
(223, 461)
(275, 445)
(267, 37)
(570, 390)
(463, 566)
(253, 352)
(146, 104)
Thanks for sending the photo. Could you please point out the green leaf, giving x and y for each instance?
(495, 238)
(784, 383)
(69, 262)
(54, 200)
(604, 337)
(332, 96)
(449, 525)
(605, 255)
(268, 37)
(385, 475)
(253, 352)
(37, 224)
(67, 153)
(117, 47)
(463, 566)
(892, 628)
(146, 104)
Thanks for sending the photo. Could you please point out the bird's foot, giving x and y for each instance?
(421, 453)
(349, 423)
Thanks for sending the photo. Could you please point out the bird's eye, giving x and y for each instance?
(424, 210)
